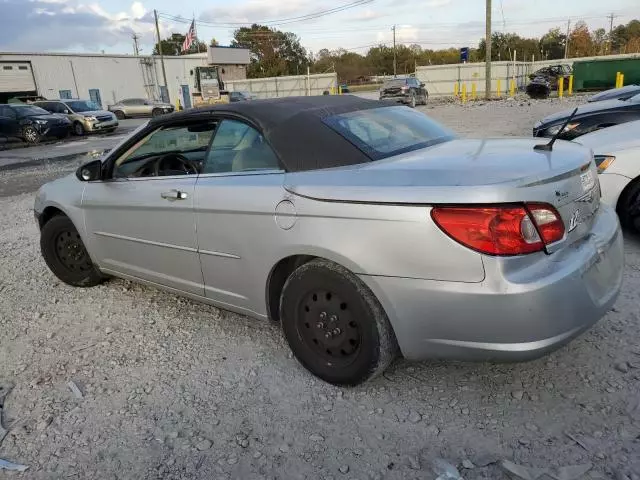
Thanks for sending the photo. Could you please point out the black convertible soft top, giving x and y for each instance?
(294, 127)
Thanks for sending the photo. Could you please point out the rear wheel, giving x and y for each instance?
(156, 112)
(119, 114)
(334, 325)
(66, 255)
(628, 207)
(30, 135)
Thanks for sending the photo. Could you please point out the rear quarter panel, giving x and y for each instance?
(385, 240)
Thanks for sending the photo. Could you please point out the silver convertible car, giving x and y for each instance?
(365, 229)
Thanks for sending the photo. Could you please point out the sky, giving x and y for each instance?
(88, 26)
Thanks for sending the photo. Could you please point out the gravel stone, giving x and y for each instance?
(517, 394)
(204, 444)
(622, 367)
(344, 469)
(414, 417)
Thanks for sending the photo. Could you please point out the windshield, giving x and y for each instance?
(634, 99)
(82, 106)
(387, 131)
(28, 110)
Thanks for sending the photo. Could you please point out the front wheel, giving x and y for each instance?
(30, 135)
(66, 255)
(119, 114)
(156, 112)
(334, 324)
(78, 129)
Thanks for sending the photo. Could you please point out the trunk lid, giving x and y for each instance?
(468, 172)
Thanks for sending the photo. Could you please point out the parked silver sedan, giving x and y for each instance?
(139, 107)
(363, 228)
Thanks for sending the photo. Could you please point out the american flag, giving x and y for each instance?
(191, 35)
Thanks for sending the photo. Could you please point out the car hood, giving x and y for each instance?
(612, 139)
(48, 118)
(582, 109)
(93, 113)
(628, 90)
(498, 169)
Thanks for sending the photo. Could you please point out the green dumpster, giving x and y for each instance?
(600, 74)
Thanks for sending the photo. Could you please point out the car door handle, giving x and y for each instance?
(174, 195)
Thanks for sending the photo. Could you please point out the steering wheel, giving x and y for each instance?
(174, 162)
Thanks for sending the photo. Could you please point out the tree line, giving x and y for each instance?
(276, 53)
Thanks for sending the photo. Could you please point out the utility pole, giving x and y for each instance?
(394, 50)
(487, 59)
(566, 42)
(164, 71)
(610, 17)
(136, 50)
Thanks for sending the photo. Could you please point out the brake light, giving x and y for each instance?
(501, 229)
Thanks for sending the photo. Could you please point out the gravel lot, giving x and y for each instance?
(170, 389)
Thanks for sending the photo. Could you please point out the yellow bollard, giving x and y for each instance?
(464, 93)
(498, 90)
(570, 91)
(560, 87)
(618, 79)
(455, 90)
(473, 91)
(621, 80)
(512, 88)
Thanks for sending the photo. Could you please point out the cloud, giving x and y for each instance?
(50, 25)
(259, 11)
(368, 15)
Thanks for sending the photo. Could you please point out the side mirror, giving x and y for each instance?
(90, 172)
(65, 111)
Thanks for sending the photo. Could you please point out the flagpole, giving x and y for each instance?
(195, 32)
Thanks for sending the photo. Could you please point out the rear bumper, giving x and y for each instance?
(515, 313)
(400, 98)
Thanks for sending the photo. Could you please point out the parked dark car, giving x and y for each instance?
(344, 88)
(590, 117)
(31, 123)
(539, 87)
(240, 97)
(623, 93)
(552, 73)
(405, 90)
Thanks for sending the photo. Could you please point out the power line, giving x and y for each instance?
(282, 21)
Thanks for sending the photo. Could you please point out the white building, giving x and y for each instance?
(108, 78)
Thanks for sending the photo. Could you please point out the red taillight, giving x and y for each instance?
(501, 229)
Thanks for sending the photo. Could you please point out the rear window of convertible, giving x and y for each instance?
(388, 131)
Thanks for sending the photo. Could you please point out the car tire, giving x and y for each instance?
(156, 112)
(119, 114)
(66, 255)
(334, 324)
(78, 129)
(628, 207)
(412, 100)
(31, 135)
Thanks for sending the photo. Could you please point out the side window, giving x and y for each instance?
(171, 150)
(60, 107)
(238, 147)
(7, 112)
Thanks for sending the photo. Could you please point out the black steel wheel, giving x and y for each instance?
(65, 253)
(334, 325)
(628, 207)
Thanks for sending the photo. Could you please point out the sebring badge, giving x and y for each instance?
(573, 223)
